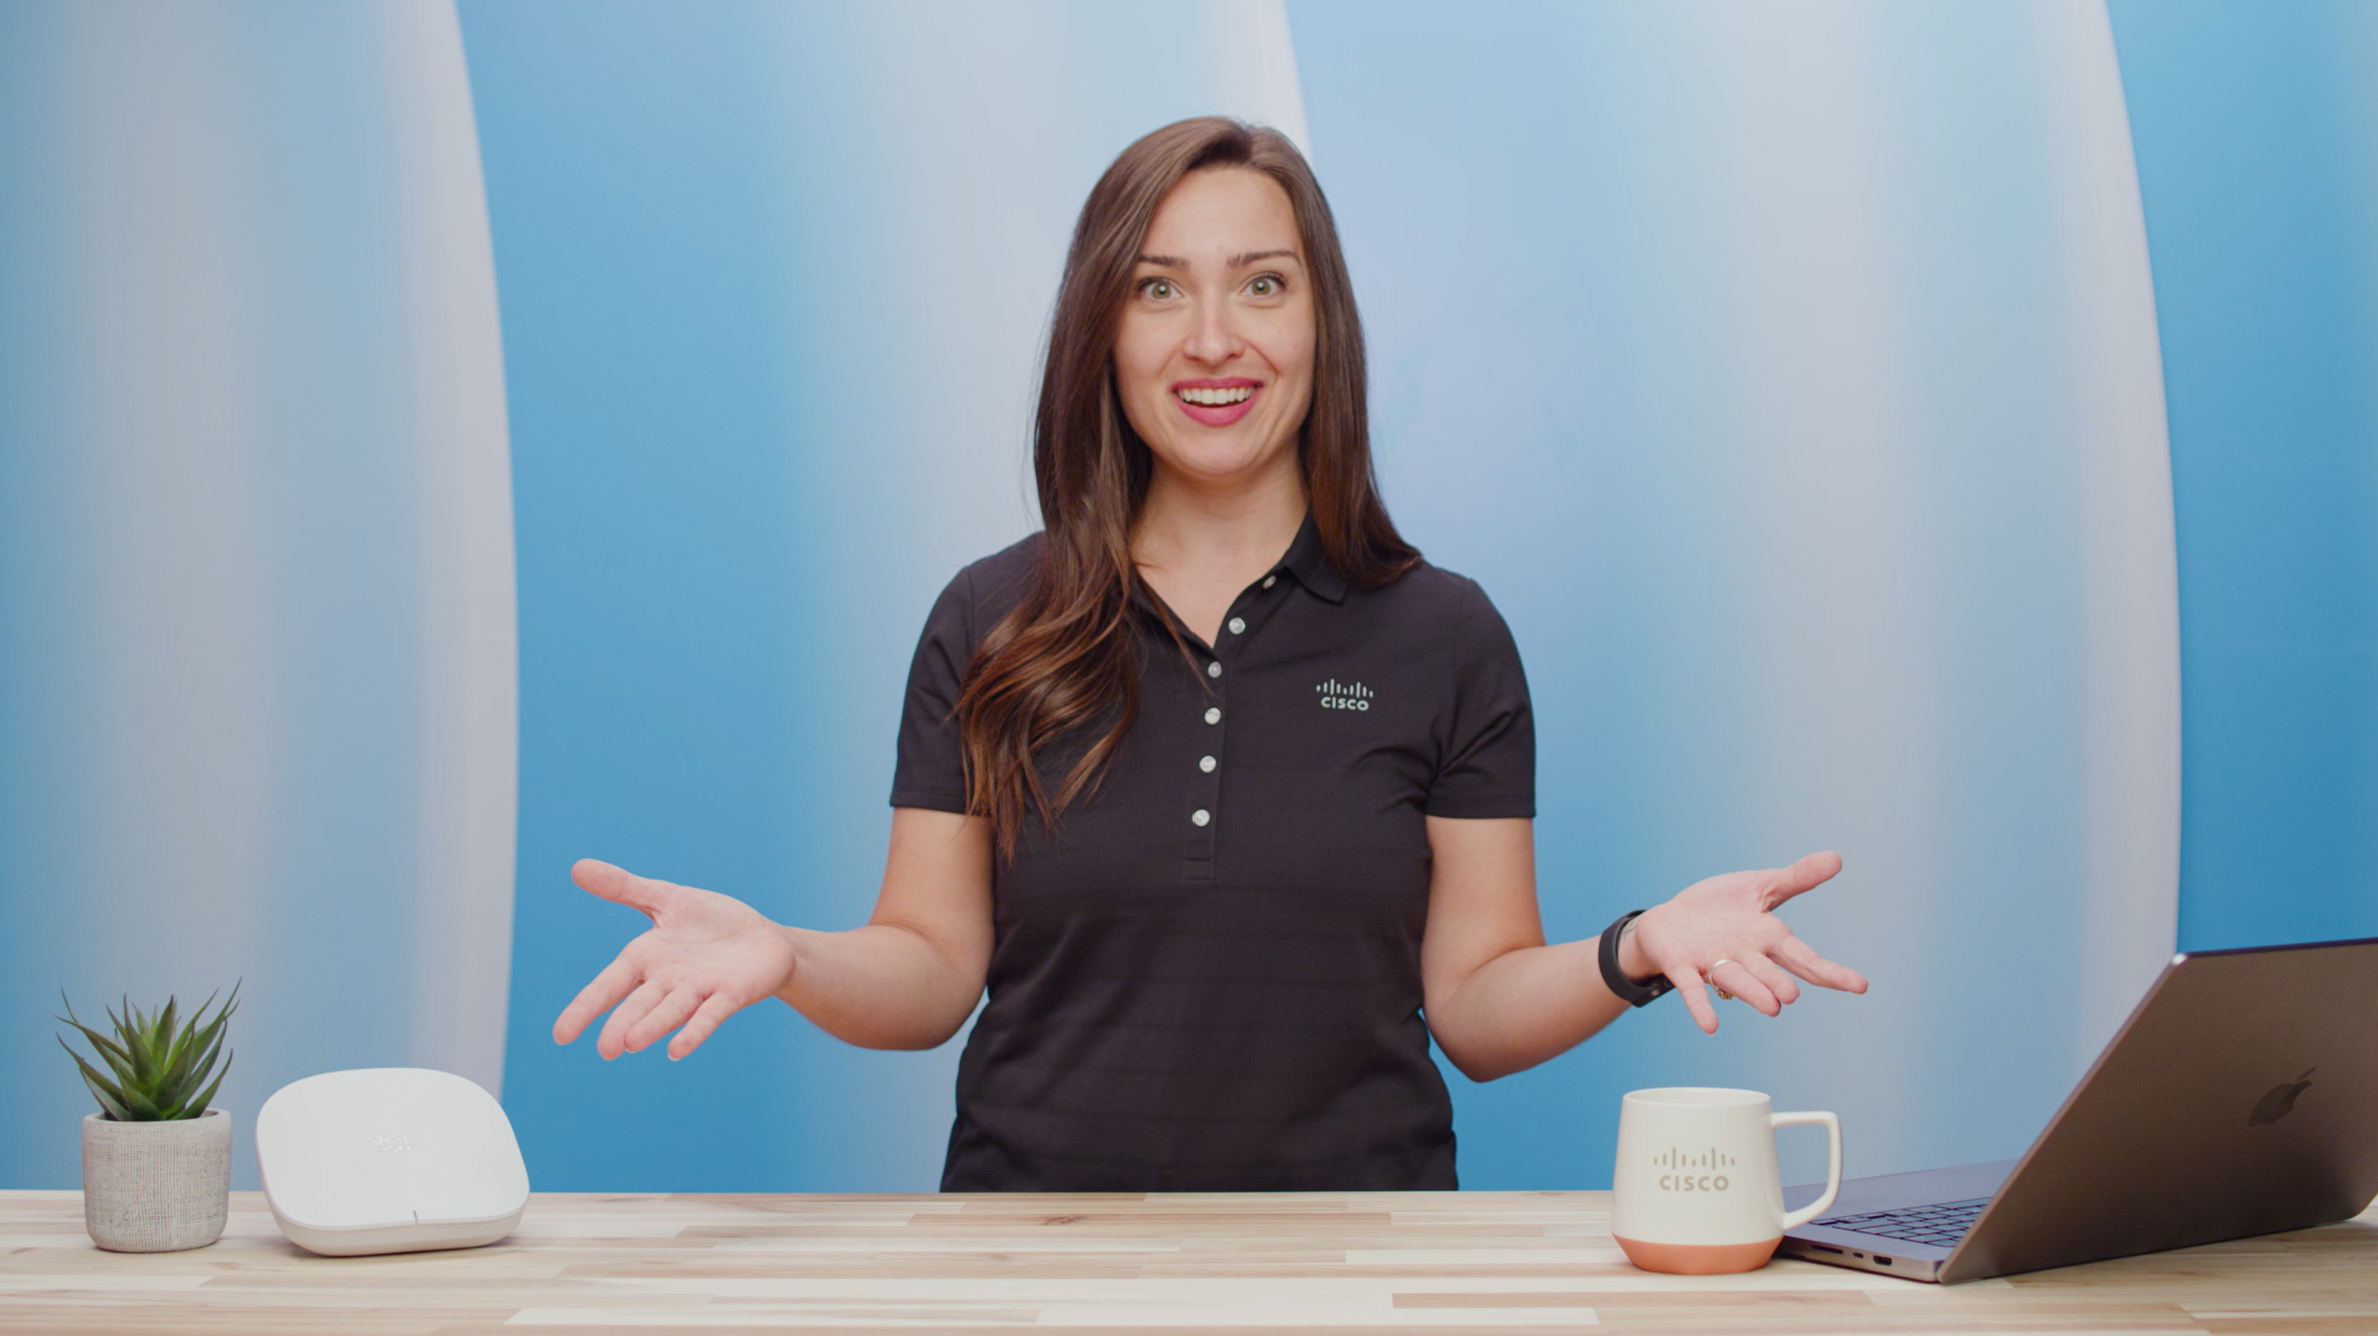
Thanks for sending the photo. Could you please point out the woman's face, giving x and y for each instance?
(1214, 351)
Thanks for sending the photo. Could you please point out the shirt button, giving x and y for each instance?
(1200, 817)
(1213, 714)
(1238, 626)
(1267, 580)
(1214, 669)
(1206, 763)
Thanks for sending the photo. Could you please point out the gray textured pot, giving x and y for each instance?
(156, 1187)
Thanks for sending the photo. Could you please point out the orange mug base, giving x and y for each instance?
(1699, 1259)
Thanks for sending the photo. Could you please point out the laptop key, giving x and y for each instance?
(1941, 1224)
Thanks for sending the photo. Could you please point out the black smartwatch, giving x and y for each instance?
(1630, 992)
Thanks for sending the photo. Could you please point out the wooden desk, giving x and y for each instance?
(1412, 1262)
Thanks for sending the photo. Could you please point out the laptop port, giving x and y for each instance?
(1881, 1260)
(1825, 1247)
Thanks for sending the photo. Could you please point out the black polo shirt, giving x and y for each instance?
(1208, 977)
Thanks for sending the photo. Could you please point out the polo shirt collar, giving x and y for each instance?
(1309, 562)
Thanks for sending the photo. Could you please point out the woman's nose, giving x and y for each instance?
(1215, 339)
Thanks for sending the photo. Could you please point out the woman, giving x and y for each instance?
(1214, 782)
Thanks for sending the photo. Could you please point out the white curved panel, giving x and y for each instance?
(261, 552)
(1253, 64)
(2128, 566)
(1788, 376)
(1882, 603)
(463, 914)
(2004, 777)
(160, 542)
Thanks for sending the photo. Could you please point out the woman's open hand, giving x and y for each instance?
(1724, 930)
(706, 957)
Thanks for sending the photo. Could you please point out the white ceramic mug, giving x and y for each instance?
(1695, 1188)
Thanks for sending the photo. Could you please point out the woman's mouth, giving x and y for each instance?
(1216, 403)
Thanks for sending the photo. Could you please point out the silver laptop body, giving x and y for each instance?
(2236, 1100)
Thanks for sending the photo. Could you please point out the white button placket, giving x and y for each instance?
(1205, 804)
(1205, 786)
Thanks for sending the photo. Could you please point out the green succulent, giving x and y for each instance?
(157, 1066)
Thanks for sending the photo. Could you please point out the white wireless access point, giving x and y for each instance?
(389, 1159)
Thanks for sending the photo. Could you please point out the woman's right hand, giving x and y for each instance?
(706, 957)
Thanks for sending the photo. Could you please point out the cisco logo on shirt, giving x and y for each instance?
(1336, 695)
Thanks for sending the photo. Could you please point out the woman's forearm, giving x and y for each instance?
(881, 986)
(1524, 1007)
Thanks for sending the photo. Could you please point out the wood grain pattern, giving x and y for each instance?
(1410, 1263)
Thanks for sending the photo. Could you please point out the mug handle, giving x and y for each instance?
(1833, 1168)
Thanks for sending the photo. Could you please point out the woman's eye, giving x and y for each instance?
(1264, 285)
(1160, 289)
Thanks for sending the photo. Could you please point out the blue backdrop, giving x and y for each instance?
(1941, 433)
(2257, 134)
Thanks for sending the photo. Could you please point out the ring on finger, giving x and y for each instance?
(1708, 973)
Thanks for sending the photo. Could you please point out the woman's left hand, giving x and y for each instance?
(1724, 930)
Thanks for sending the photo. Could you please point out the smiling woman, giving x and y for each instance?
(1214, 783)
(1180, 431)
(1191, 316)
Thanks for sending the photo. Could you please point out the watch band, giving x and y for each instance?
(1630, 992)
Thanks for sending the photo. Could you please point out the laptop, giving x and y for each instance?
(2241, 1097)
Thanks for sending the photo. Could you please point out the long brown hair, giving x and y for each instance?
(1066, 656)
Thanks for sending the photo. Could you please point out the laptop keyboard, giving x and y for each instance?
(1939, 1225)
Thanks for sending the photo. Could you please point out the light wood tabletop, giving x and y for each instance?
(1413, 1262)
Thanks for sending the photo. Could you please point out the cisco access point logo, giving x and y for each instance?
(1336, 695)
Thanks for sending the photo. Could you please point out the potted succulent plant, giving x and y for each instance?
(156, 1158)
